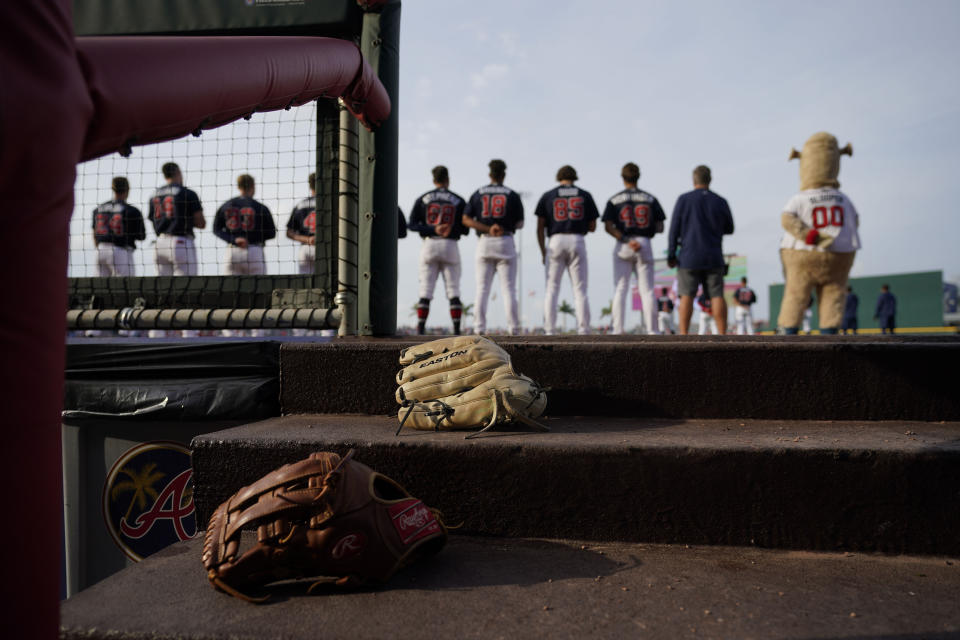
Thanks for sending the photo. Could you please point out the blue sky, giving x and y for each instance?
(732, 85)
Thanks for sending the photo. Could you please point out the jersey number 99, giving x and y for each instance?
(568, 209)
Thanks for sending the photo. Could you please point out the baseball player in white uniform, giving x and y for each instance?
(116, 228)
(496, 212)
(744, 297)
(632, 217)
(245, 225)
(707, 322)
(566, 214)
(302, 228)
(437, 216)
(175, 212)
(665, 311)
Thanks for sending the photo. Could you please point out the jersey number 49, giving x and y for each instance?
(635, 215)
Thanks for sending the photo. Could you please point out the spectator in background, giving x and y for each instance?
(116, 227)
(807, 328)
(745, 298)
(665, 311)
(707, 321)
(700, 220)
(850, 306)
(886, 310)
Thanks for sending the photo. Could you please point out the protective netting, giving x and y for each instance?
(277, 149)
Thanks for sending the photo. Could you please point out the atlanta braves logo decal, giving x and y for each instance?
(147, 498)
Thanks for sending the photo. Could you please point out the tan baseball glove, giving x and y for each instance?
(325, 516)
(465, 382)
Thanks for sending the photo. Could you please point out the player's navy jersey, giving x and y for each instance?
(567, 209)
(495, 204)
(437, 207)
(303, 218)
(244, 217)
(744, 296)
(635, 213)
(118, 223)
(665, 304)
(172, 208)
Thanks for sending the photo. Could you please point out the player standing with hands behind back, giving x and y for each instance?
(633, 216)
(496, 212)
(245, 225)
(437, 216)
(566, 214)
(116, 227)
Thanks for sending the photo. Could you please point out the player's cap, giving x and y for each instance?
(566, 172)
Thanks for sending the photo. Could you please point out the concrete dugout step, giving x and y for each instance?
(513, 588)
(817, 485)
(760, 377)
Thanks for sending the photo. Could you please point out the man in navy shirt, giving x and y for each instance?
(700, 220)
(886, 310)
(850, 306)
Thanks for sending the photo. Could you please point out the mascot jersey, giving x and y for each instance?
(828, 211)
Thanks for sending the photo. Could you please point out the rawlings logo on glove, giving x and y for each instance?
(323, 516)
(464, 383)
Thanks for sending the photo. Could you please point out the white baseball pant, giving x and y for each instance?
(306, 258)
(114, 260)
(707, 323)
(665, 319)
(439, 256)
(743, 317)
(626, 260)
(244, 261)
(497, 255)
(567, 252)
(175, 256)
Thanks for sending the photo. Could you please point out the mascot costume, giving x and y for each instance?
(820, 239)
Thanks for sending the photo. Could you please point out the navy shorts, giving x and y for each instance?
(689, 280)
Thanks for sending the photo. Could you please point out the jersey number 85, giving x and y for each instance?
(568, 209)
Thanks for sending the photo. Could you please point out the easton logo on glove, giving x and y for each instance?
(464, 382)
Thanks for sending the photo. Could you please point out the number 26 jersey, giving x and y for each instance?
(828, 211)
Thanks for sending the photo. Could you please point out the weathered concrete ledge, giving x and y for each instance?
(487, 588)
(776, 378)
(875, 486)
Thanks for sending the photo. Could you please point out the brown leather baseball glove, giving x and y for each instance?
(324, 517)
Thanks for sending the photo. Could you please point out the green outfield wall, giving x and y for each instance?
(919, 299)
